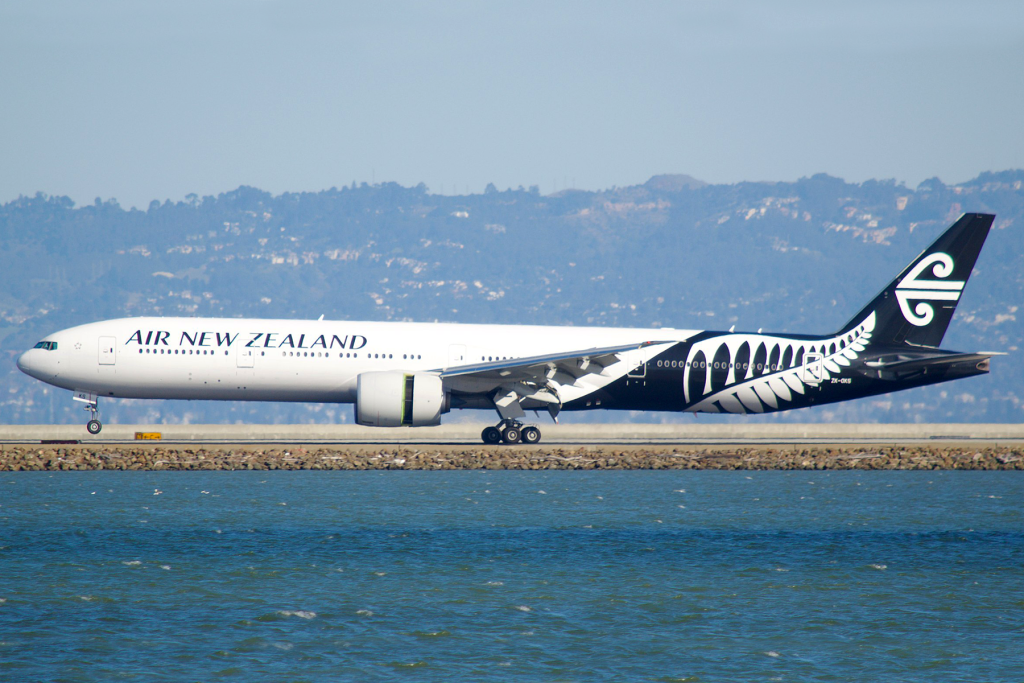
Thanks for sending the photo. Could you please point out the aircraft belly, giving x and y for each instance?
(196, 382)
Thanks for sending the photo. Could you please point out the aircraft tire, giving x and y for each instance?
(94, 426)
(531, 435)
(491, 435)
(510, 435)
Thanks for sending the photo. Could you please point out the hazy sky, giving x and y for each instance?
(146, 100)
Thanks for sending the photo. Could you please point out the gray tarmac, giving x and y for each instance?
(561, 435)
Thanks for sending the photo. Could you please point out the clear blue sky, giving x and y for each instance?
(146, 100)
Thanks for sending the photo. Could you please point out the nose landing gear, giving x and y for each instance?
(511, 431)
(93, 425)
(91, 402)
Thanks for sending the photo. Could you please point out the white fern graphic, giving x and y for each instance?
(759, 388)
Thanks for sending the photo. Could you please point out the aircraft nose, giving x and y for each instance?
(25, 362)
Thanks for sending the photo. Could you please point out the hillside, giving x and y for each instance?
(676, 252)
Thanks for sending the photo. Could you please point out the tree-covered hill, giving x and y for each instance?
(673, 252)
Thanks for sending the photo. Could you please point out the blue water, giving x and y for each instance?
(488, 576)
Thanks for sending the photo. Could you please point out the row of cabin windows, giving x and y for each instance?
(489, 358)
(317, 354)
(717, 366)
(198, 352)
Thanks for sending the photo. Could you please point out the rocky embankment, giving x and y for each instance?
(87, 457)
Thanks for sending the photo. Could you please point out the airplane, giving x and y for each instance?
(410, 374)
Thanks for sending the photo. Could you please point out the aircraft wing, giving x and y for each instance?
(537, 380)
(574, 363)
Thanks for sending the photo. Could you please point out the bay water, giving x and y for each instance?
(503, 575)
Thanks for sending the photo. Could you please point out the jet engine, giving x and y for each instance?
(395, 399)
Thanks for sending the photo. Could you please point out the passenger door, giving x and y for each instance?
(246, 357)
(639, 371)
(108, 350)
(456, 355)
(812, 372)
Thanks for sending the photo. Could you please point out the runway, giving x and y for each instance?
(564, 435)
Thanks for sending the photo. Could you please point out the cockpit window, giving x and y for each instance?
(46, 345)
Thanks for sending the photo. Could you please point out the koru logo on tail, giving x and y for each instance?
(911, 288)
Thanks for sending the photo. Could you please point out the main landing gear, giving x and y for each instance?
(511, 431)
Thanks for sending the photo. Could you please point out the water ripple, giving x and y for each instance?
(364, 576)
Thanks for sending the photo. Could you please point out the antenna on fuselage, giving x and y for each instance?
(320, 318)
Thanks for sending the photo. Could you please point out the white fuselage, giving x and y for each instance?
(287, 360)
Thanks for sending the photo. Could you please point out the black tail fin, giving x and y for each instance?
(917, 306)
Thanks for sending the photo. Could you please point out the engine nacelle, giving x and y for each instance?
(397, 399)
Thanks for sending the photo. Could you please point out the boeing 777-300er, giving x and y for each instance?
(410, 374)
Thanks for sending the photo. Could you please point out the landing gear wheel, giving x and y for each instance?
(510, 435)
(94, 426)
(531, 435)
(491, 435)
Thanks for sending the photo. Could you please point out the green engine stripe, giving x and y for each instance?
(407, 399)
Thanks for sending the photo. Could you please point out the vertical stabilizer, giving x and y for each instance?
(917, 306)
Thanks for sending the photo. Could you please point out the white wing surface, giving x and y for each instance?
(545, 381)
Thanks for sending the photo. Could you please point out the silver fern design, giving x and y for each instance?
(754, 373)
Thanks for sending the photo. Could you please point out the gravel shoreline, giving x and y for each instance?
(15, 458)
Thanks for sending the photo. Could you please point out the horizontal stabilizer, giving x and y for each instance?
(909, 366)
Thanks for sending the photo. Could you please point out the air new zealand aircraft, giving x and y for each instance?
(409, 374)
